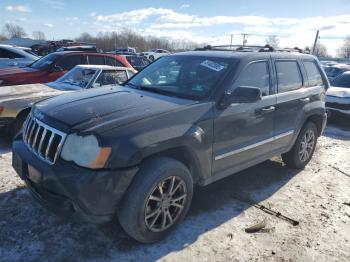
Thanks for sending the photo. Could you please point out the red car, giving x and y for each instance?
(54, 65)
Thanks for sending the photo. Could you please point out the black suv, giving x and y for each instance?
(137, 150)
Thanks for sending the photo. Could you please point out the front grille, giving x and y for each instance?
(44, 141)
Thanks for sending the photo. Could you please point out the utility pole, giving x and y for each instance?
(315, 43)
(244, 40)
(231, 39)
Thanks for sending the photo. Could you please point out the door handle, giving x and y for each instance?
(268, 109)
(305, 100)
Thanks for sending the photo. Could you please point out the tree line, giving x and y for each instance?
(109, 41)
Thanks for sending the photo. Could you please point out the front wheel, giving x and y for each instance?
(303, 149)
(157, 200)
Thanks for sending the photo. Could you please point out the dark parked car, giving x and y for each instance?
(54, 65)
(336, 70)
(187, 119)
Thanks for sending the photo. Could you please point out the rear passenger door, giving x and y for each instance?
(243, 131)
(292, 96)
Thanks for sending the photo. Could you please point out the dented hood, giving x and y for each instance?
(105, 108)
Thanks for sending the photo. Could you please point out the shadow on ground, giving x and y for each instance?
(30, 233)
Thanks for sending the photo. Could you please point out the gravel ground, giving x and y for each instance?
(317, 197)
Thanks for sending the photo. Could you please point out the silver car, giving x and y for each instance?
(16, 56)
(16, 101)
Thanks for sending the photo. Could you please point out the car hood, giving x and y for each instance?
(104, 108)
(338, 92)
(16, 92)
(10, 71)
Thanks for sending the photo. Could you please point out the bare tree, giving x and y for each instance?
(344, 50)
(38, 35)
(13, 31)
(273, 41)
(321, 50)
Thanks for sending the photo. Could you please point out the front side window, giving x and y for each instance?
(255, 75)
(111, 77)
(185, 76)
(288, 76)
(68, 62)
(313, 73)
(77, 78)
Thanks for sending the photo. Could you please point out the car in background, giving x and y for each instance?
(335, 70)
(16, 101)
(138, 62)
(11, 56)
(81, 48)
(54, 65)
(338, 96)
(154, 54)
(125, 51)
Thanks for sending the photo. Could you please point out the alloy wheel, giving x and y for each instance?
(165, 204)
(306, 145)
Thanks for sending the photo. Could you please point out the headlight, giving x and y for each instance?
(85, 151)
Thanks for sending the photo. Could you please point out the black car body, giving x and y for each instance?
(241, 108)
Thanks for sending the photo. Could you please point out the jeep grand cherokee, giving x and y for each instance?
(135, 151)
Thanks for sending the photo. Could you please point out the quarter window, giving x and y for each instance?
(256, 75)
(288, 76)
(313, 74)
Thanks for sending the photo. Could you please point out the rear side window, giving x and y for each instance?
(256, 75)
(68, 62)
(5, 54)
(313, 73)
(96, 60)
(112, 62)
(288, 76)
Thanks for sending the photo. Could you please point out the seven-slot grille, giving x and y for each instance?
(44, 141)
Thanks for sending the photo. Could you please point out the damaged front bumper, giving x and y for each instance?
(71, 191)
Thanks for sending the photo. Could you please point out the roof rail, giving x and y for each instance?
(249, 48)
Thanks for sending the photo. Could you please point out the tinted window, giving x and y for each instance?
(255, 75)
(96, 60)
(288, 76)
(111, 77)
(112, 62)
(68, 62)
(5, 54)
(342, 81)
(313, 74)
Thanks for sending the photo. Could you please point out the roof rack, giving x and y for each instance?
(249, 48)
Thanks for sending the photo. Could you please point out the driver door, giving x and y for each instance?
(243, 132)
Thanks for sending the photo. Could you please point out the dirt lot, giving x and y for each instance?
(318, 197)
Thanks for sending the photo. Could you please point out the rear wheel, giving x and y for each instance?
(157, 200)
(303, 149)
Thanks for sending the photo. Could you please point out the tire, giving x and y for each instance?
(295, 158)
(141, 213)
(151, 58)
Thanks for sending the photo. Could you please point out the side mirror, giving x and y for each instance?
(241, 94)
(57, 68)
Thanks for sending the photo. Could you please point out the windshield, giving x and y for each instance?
(184, 76)
(77, 77)
(45, 61)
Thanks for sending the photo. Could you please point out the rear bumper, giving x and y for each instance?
(74, 192)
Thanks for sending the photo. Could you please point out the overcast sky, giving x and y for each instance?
(295, 22)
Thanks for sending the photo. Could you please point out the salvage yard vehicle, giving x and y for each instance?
(55, 65)
(338, 96)
(335, 70)
(138, 62)
(16, 101)
(154, 54)
(16, 56)
(192, 118)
